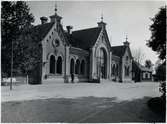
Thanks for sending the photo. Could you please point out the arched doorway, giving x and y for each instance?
(83, 67)
(52, 64)
(102, 63)
(77, 65)
(126, 70)
(59, 65)
(117, 70)
(113, 70)
(72, 66)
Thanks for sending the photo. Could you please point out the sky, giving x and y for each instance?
(131, 18)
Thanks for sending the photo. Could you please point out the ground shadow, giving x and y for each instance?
(158, 105)
(83, 109)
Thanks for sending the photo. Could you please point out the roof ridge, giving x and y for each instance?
(86, 29)
(40, 25)
(117, 46)
(85, 38)
(41, 30)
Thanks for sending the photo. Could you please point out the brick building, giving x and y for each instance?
(87, 53)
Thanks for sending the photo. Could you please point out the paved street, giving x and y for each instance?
(105, 102)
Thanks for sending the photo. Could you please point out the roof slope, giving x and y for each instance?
(141, 67)
(118, 50)
(85, 38)
(41, 30)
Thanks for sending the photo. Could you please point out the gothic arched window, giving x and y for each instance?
(127, 58)
(72, 64)
(59, 65)
(83, 67)
(117, 70)
(77, 67)
(126, 71)
(52, 64)
(113, 69)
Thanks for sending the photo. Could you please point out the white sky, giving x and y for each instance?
(122, 18)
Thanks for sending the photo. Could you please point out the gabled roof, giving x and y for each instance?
(85, 38)
(118, 50)
(141, 67)
(41, 30)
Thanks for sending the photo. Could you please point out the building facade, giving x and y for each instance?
(86, 53)
(141, 73)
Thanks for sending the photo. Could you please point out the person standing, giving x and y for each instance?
(72, 77)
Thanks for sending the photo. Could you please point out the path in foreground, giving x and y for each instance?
(123, 91)
(85, 109)
(82, 102)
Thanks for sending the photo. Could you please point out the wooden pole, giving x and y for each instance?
(11, 75)
(65, 76)
(27, 79)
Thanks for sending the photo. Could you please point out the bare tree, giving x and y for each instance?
(148, 63)
(138, 55)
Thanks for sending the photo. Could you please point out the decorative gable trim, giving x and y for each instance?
(108, 41)
(56, 28)
(45, 39)
(104, 34)
(129, 52)
(60, 32)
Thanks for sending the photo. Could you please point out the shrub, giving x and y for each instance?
(162, 89)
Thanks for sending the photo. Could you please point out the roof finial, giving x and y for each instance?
(126, 38)
(126, 43)
(102, 17)
(55, 8)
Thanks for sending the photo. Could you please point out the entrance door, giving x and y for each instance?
(72, 66)
(52, 64)
(103, 63)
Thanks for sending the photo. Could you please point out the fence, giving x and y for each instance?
(16, 80)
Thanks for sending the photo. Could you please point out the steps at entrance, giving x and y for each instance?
(129, 81)
(105, 81)
(53, 80)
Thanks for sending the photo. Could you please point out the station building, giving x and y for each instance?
(87, 53)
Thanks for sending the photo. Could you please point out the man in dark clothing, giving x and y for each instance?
(72, 78)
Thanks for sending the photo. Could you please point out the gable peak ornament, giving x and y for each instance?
(55, 8)
(126, 38)
(126, 43)
(101, 23)
(102, 17)
(55, 43)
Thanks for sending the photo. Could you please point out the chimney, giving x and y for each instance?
(69, 29)
(43, 20)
